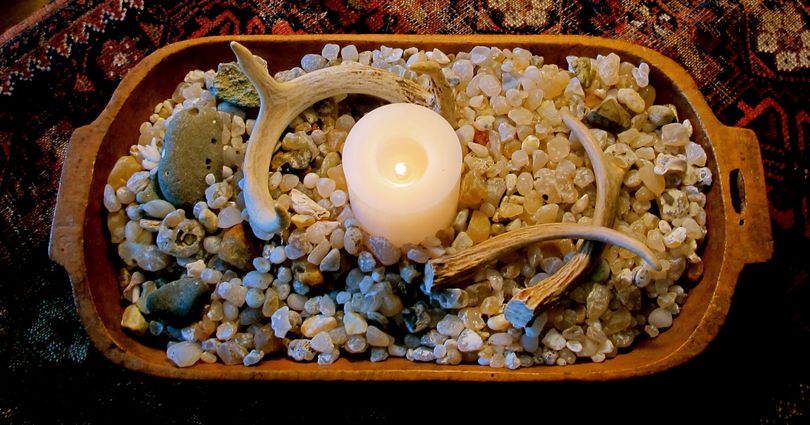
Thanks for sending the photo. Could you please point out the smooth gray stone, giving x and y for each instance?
(191, 149)
(179, 301)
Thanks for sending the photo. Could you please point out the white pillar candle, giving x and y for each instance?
(403, 165)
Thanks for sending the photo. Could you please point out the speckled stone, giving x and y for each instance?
(295, 160)
(231, 85)
(191, 149)
(609, 116)
(179, 301)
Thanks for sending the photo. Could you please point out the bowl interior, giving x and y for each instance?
(159, 83)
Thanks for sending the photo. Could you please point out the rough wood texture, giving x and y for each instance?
(79, 241)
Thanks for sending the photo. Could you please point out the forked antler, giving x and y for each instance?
(282, 102)
(458, 268)
(520, 310)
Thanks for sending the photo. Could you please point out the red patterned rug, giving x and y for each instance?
(751, 61)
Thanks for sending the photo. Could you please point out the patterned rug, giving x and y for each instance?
(751, 60)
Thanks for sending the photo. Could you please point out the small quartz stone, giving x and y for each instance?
(661, 115)
(184, 354)
(498, 322)
(237, 248)
(315, 324)
(354, 323)
(280, 322)
(330, 51)
(384, 250)
(378, 338)
(311, 62)
(469, 341)
(450, 326)
(349, 53)
(256, 279)
(356, 344)
(300, 350)
(479, 54)
(231, 352)
(554, 340)
(452, 298)
(674, 134)
(607, 68)
(322, 343)
(597, 302)
(660, 318)
(420, 354)
(253, 357)
(378, 354)
(673, 204)
(123, 169)
(631, 99)
(478, 227)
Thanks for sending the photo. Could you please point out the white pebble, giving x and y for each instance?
(322, 343)
(378, 338)
(450, 325)
(330, 51)
(111, 201)
(554, 340)
(469, 341)
(253, 357)
(124, 195)
(479, 54)
(642, 74)
(229, 217)
(325, 187)
(277, 255)
(349, 53)
(338, 198)
(498, 323)
(288, 182)
(490, 85)
(660, 318)
(280, 321)
(184, 354)
(311, 180)
(521, 116)
(631, 99)
(331, 262)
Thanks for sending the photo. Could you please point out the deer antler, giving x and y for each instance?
(282, 102)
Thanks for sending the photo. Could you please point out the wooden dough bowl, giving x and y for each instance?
(739, 225)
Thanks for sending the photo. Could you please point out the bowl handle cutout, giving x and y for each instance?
(748, 218)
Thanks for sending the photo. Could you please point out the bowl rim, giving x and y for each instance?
(748, 227)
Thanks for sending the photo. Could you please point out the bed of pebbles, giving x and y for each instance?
(196, 278)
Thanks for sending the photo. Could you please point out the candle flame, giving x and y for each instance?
(401, 169)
